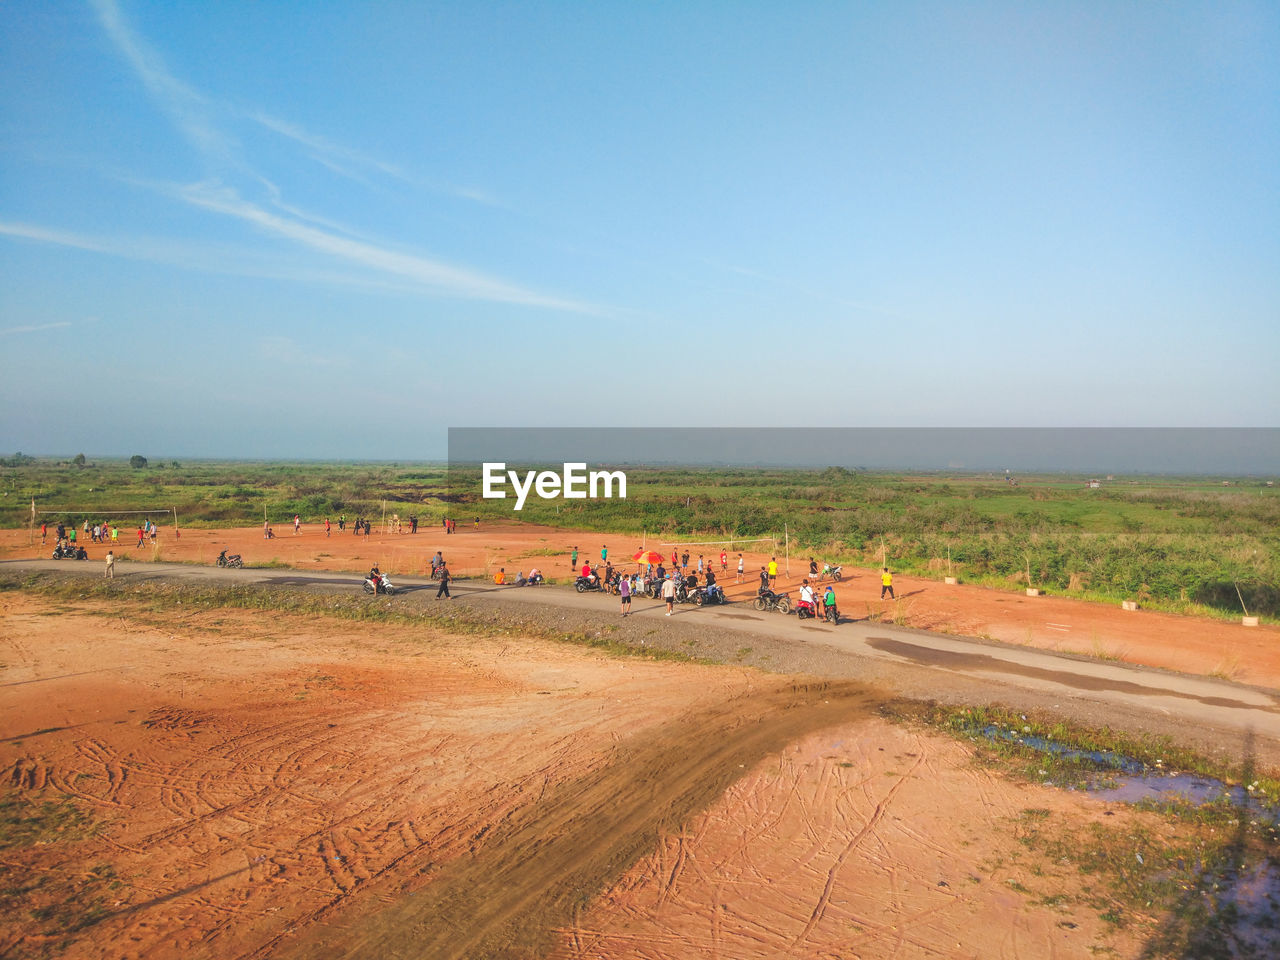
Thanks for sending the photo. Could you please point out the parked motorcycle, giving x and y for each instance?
(65, 551)
(708, 597)
(768, 600)
(835, 573)
(232, 561)
(583, 584)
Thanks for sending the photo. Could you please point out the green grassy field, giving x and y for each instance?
(1176, 543)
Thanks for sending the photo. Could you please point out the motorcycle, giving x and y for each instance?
(832, 615)
(835, 573)
(686, 594)
(583, 584)
(382, 586)
(65, 551)
(709, 597)
(232, 561)
(806, 609)
(768, 600)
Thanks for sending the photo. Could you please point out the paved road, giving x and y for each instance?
(1250, 712)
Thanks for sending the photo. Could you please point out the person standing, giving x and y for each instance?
(886, 583)
(265, 525)
(624, 592)
(44, 532)
(724, 562)
(740, 568)
(115, 534)
(444, 581)
(604, 553)
(110, 573)
(142, 534)
(773, 570)
(669, 593)
(573, 561)
(764, 579)
(327, 529)
(297, 522)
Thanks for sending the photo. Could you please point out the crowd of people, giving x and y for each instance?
(68, 535)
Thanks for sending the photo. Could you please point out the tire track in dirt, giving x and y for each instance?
(524, 881)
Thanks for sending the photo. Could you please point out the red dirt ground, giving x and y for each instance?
(287, 786)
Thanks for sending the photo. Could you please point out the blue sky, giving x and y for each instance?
(333, 230)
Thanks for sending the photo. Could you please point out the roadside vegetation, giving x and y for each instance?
(1192, 879)
(1183, 544)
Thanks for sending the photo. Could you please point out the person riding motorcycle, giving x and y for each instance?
(376, 576)
(807, 600)
(713, 591)
(829, 603)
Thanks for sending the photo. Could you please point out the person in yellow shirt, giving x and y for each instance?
(886, 583)
(773, 570)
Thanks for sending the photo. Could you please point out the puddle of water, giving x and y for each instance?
(1135, 781)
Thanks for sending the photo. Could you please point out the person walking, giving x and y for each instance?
(142, 536)
(110, 572)
(297, 522)
(624, 592)
(327, 529)
(444, 581)
(44, 532)
(115, 534)
(669, 593)
(886, 583)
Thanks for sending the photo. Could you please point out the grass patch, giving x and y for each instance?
(161, 599)
(1185, 876)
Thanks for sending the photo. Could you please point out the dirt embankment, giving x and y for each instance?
(225, 785)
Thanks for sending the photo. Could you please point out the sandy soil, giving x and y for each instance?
(1186, 644)
(300, 787)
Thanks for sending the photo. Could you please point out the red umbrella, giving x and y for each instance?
(648, 556)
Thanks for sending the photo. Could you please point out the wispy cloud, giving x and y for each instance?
(36, 328)
(440, 278)
(194, 115)
(61, 238)
(333, 155)
(204, 258)
(191, 112)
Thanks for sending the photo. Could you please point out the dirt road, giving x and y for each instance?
(1214, 714)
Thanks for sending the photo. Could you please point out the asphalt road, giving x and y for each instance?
(1206, 711)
